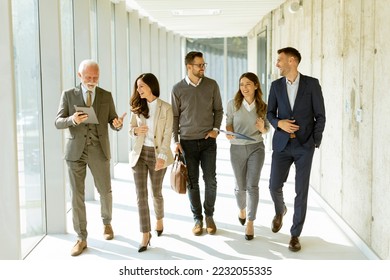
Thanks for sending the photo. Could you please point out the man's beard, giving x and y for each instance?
(91, 86)
(199, 74)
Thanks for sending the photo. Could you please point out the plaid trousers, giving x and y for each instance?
(145, 165)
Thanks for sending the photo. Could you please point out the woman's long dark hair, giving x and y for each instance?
(261, 107)
(139, 105)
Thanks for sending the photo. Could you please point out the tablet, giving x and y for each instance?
(237, 135)
(90, 112)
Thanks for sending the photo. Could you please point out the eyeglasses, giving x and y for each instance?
(202, 65)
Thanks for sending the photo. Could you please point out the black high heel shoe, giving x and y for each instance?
(159, 224)
(159, 232)
(248, 236)
(145, 247)
(242, 213)
(242, 221)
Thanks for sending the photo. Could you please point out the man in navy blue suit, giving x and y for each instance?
(296, 110)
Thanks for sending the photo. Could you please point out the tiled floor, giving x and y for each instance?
(322, 238)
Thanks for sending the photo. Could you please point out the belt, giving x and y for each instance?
(292, 136)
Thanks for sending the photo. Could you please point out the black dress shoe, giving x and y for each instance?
(294, 245)
(242, 221)
(145, 247)
(277, 222)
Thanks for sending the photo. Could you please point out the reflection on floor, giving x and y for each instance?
(322, 238)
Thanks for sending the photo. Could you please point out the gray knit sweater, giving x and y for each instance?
(196, 110)
(244, 122)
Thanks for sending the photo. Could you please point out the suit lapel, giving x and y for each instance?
(78, 92)
(78, 96)
(284, 95)
(96, 102)
(158, 110)
(301, 90)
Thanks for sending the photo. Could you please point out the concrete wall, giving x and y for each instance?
(344, 43)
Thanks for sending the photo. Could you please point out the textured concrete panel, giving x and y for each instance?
(380, 238)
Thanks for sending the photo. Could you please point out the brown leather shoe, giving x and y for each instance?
(277, 222)
(108, 232)
(78, 248)
(294, 245)
(198, 228)
(210, 225)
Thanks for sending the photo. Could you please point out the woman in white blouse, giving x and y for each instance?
(151, 131)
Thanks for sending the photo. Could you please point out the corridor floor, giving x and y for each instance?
(322, 238)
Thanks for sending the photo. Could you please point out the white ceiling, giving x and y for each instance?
(236, 18)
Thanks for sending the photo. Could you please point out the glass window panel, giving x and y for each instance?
(68, 65)
(67, 44)
(262, 62)
(225, 69)
(94, 33)
(114, 11)
(29, 122)
(237, 53)
(213, 53)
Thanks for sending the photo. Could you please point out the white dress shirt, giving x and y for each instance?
(292, 89)
(149, 139)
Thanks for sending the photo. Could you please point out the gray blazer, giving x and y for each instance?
(76, 134)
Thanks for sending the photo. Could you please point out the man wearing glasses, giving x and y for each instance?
(197, 116)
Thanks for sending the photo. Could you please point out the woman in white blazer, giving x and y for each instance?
(151, 130)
